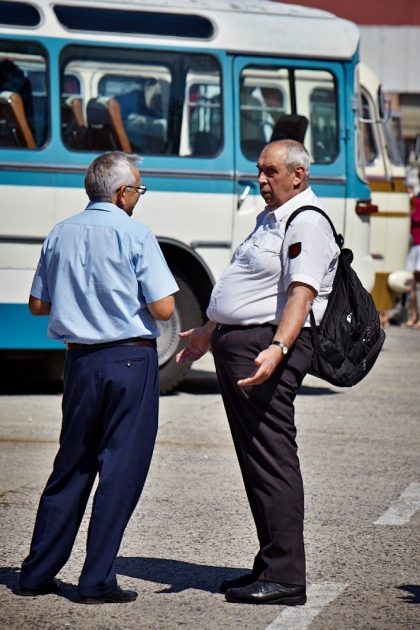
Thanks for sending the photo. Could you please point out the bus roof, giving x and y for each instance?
(279, 30)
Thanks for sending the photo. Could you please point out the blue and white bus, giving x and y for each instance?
(197, 88)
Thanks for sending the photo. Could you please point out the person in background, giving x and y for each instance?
(413, 263)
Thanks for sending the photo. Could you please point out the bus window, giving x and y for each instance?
(280, 103)
(23, 95)
(392, 145)
(323, 119)
(147, 102)
(369, 142)
(201, 127)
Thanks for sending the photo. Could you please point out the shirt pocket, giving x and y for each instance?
(265, 254)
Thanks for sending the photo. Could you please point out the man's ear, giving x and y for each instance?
(119, 199)
(299, 176)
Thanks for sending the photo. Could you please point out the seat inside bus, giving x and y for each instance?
(290, 127)
(105, 127)
(14, 127)
(73, 124)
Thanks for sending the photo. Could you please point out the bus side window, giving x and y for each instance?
(23, 95)
(323, 117)
(369, 143)
(204, 116)
(289, 103)
(146, 101)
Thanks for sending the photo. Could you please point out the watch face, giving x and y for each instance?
(281, 345)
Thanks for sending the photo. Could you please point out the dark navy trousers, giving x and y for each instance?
(261, 420)
(110, 418)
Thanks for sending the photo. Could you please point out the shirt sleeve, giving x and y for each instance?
(306, 254)
(39, 287)
(152, 272)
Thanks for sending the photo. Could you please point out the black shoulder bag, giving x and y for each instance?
(349, 338)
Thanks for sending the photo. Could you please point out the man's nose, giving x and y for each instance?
(261, 178)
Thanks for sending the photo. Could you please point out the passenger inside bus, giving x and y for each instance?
(12, 79)
(16, 107)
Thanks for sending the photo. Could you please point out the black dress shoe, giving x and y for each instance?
(117, 596)
(242, 580)
(44, 589)
(261, 592)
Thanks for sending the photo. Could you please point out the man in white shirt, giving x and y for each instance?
(259, 333)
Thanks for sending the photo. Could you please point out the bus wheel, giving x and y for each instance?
(187, 315)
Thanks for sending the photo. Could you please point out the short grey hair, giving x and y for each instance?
(108, 172)
(296, 155)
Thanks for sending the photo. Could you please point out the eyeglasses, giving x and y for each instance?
(140, 189)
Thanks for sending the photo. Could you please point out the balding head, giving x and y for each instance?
(283, 168)
(296, 155)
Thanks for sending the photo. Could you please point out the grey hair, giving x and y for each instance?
(108, 172)
(296, 155)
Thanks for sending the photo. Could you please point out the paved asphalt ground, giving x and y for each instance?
(360, 451)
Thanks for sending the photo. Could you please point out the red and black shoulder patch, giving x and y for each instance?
(294, 250)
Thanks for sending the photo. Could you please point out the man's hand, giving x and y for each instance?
(300, 298)
(199, 343)
(266, 363)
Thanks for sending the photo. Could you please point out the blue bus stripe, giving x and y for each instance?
(22, 331)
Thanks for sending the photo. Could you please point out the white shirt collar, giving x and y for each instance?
(304, 198)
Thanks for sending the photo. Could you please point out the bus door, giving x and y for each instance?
(277, 99)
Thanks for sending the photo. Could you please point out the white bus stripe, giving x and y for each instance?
(401, 510)
(300, 617)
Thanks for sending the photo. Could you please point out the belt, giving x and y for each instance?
(240, 326)
(122, 343)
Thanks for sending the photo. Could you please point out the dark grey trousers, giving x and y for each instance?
(261, 420)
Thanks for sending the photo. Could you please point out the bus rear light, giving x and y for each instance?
(364, 206)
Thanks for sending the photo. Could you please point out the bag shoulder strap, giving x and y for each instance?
(340, 242)
(338, 238)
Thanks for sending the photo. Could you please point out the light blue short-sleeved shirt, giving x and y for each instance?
(100, 269)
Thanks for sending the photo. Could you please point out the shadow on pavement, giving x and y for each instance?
(412, 595)
(173, 576)
(199, 382)
(9, 576)
(180, 576)
(305, 390)
(27, 386)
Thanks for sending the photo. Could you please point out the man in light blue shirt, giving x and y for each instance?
(104, 282)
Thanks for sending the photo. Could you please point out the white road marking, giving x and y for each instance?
(300, 617)
(401, 510)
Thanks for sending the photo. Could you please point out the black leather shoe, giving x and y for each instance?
(117, 596)
(261, 592)
(242, 580)
(44, 589)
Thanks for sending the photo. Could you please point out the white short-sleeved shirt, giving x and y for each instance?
(252, 290)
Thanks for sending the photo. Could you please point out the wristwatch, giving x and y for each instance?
(282, 345)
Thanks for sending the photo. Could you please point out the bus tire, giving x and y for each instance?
(187, 315)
